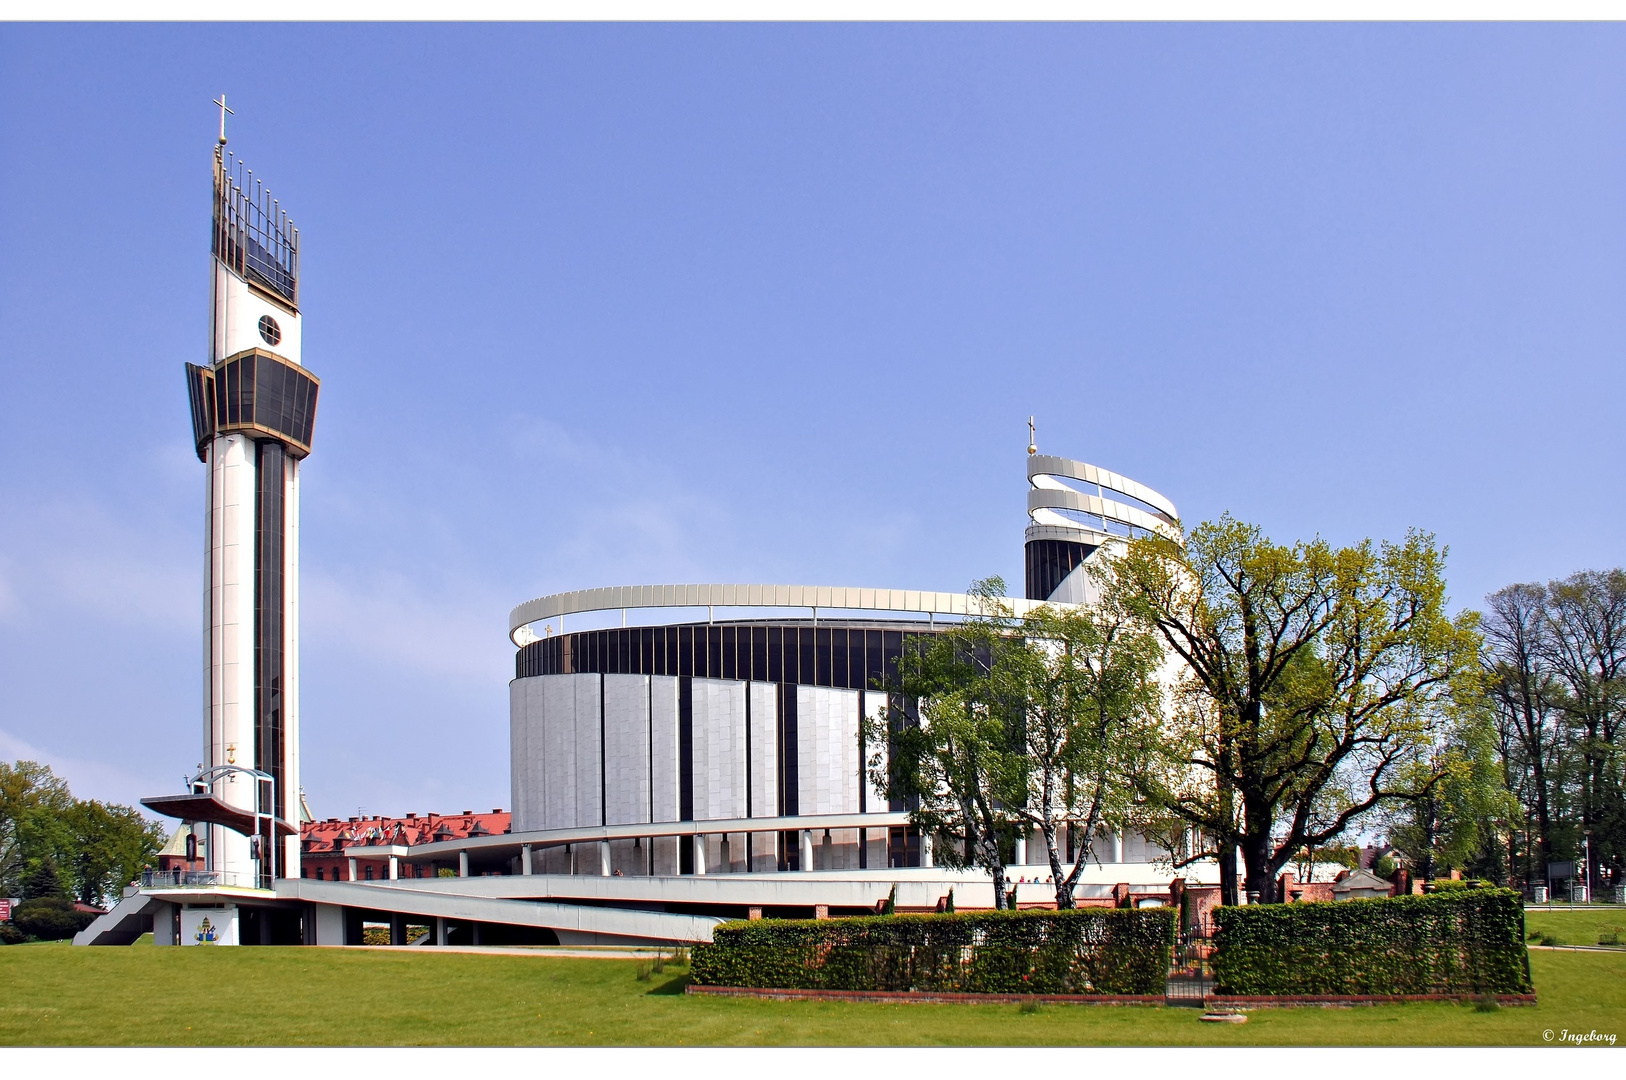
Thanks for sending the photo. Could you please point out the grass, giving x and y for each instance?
(1576, 927)
(324, 997)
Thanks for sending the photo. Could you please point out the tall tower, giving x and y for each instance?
(253, 408)
(1074, 510)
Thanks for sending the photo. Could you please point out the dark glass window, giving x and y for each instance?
(1049, 562)
(266, 393)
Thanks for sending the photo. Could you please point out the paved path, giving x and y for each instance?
(578, 953)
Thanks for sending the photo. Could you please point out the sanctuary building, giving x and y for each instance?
(679, 754)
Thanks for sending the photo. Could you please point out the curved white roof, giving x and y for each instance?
(620, 597)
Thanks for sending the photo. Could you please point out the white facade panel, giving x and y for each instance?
(719, 749)
(238, 310)
(764, 763)
(209, 925)
(874, 704)
(589, 750)
(229, 738)
(827, 750)
(663, 723)
(519, 755)
(626, 749)
(558, 726)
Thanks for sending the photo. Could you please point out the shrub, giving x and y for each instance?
(50, 918)
(10, 935)
(1086, 951)
(1457, 941)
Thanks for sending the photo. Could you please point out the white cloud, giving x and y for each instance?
(89, 779)
(81, 555)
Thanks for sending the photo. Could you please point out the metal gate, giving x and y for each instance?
(1191, 978)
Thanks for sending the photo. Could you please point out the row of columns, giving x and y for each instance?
(1022, 850)
(698, 842)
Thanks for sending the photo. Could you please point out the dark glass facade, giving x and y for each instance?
(843, 656)
(270, 487)
(256, 393)
(1049, 562)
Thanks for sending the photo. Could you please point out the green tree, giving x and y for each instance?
(1586, 652)
(111, 845)
(1447, 825)
(1310, 676)
(1088, 694)
(32, 802)
(949, 742)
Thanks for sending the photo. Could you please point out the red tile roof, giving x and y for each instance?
(334, 835)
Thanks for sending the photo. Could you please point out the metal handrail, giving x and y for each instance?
(197, 879)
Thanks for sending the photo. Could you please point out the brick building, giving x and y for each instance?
(324, 845)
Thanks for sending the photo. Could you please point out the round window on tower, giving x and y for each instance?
(269, 330)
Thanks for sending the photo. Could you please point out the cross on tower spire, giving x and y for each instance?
(1033, 445)
(221, 101)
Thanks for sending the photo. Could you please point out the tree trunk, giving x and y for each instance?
(1228, 883)
(1064, 888)
(1260, 868)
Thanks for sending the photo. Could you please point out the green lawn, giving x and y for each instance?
(1576, 927)
(259, 996)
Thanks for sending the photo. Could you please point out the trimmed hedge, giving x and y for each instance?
(1086, 951)
(1454, 942)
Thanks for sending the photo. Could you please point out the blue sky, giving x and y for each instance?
(623, 304)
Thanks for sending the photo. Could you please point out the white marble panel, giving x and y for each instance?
(663, 755)
(764, 750)
(719, 749)
(559, 749)
(519, 754)
(827, 750)
(626, 748)
(874, 797)
(589, 751)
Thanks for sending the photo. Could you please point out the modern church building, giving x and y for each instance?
(679, 754)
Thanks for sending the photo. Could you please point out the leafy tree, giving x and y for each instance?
(93, 848)
(1586, 653)
(949, 742)
(1522, 690)
(111, 845)
(32, 801)
(1310, 677)
(1449, 824)
(1085, 682)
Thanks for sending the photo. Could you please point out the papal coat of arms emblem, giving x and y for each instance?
(206, 932)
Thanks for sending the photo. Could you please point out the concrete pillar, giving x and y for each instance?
(395, 868)
(440, 930)
(397, 929)
(603, 858)
(807, 849)
(1021, 851)
(462, 864)
(926, 849)
(353, 875)
(827, 861)
(525, 860)
(1117, 846)
(699, 854)
(725, 863)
